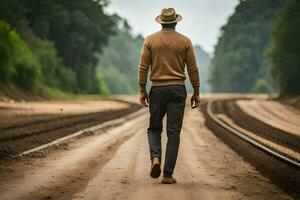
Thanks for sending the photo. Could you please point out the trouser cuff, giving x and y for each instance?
(156, 155)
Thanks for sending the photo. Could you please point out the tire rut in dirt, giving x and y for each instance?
(28, 120)
(284, 175)
(74, 182)
(256, 126)
(14, 141)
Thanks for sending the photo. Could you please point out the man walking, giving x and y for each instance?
(166, 53)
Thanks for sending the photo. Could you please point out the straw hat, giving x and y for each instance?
(168, 16)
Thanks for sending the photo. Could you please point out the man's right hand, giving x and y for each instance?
(144, 99)
(195, 101)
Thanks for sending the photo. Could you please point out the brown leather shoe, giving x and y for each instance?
(155, 168)
(168, 180)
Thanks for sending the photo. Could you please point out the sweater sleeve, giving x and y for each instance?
(144, 64)
(192, 67)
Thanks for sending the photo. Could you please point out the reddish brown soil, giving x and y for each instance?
(115, 164)
(26, 131)
(256, 126)
(282, 174)
(274, 113)
(294, 101)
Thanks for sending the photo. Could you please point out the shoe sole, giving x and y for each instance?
(166, 182)
(155, 171)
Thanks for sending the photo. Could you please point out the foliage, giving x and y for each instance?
(56, 75)
(285, 52)
(7, 69)
(65, 35)
(261, 86)
(118, 65)
(239, 55)
(17, 63)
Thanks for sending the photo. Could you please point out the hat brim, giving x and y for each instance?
(158, 20)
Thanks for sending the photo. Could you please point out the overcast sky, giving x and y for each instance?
(201, 22)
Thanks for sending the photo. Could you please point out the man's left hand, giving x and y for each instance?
(195, 101)
(144, 99)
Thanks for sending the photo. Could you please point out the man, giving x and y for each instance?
(166, 53)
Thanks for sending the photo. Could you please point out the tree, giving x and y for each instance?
(17, 62)
(285, 53)
(118, 65)
(73, 30)
(239, 54)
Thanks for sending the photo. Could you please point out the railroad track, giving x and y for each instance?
(248, 139)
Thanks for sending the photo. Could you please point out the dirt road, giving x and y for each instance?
(114, 164)
(26, 125)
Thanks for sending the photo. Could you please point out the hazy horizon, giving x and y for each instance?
(201, 22)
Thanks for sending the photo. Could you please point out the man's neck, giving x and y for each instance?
(168, 29)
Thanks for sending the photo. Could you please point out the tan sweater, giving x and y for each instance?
(166, 53)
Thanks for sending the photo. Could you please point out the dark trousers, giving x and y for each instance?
(168, 100)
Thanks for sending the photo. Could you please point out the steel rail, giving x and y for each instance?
(248, 139)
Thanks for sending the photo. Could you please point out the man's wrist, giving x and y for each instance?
(142, 88)
(196, 91)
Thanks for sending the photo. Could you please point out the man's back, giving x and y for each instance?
(167, 52)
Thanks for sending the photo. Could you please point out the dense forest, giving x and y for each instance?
(58, 46)
(72, 46)
(285, 50)
(118, 64)
(52, 44)
(240, 62)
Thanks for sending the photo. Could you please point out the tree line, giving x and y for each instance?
(258, 50)
(285, 50)
(118, 64)
(53, 44)
(74, 46)
(70, 46)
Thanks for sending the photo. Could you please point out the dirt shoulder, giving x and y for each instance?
(293, 102)
(25, 125)
(282, 174)
(273, 113)
(115, 165)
